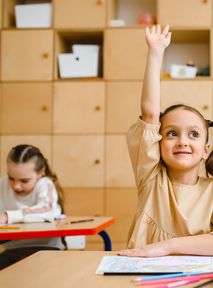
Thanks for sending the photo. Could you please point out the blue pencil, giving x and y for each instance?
(172, 275)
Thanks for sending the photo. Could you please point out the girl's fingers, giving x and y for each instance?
(168, 36)
(132, 252)
(165, 30)
(147, 31)
(158, 29)
(153, 30)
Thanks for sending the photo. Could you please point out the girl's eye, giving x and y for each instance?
(25, 181)
(171, 133)
(10, 178)
(193, 134)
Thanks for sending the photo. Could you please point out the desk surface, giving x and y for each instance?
(63, 269)
(57, 229)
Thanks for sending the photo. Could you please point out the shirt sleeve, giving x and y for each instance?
(143, 145)
(45, 207)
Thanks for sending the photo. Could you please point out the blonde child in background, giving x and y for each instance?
(175, 205)
(30, 192)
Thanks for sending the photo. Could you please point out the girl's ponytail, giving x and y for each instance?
(209, 160)
(209, 164)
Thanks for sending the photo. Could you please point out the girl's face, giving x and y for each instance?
(183, 143)
(22, 177)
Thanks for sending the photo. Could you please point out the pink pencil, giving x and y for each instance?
(177, 283)
(175, 279)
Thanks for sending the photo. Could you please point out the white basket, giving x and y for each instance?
(183, 71)
(83, 62)
(33, 15)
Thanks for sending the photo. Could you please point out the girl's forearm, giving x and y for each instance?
(157, 40)
(192, 245)
(150, 102)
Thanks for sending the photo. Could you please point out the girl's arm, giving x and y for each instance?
(157, 41)
(190, 245)
(3, 218)
(45, 207)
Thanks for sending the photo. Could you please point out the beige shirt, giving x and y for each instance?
(165, 210)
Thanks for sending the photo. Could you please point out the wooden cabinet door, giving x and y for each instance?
(27, 55)
(1, 13)
(79, 14)
(8, 142)
(79, 160)
(194, 13)
(84, 201)
(193, 93)
(125, 54)
(26, 108)
(123, 105)
(0, 110)
(119, 172)
(122, 204)
(79, 107)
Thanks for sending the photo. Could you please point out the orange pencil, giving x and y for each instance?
(9, 227)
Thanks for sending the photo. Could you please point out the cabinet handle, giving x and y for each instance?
(205, 1)
(99, 2)
(97, 108)
(45, 55)
(44, 108)
(205, 107)
(97, 161)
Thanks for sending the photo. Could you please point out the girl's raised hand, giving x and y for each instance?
(158, 38)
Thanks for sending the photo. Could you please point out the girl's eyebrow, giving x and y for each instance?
(22, 179)
(178, 127)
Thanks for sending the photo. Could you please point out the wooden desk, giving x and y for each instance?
(63, 269)
(61, 229)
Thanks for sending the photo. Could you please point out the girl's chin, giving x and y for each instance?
(21, 193)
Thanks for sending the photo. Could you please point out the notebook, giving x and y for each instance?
(119, 265)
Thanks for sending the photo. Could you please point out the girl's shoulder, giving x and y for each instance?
(43, 181)
(4, 180)
(141, 127)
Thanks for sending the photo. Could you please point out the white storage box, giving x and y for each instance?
(83, 62)
(33, 15)
(82, 48)
(183, 71)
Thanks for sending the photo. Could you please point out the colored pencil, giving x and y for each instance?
(173, 275)
(176, 284)
(81, 221)
(174, 279)
(9, 227)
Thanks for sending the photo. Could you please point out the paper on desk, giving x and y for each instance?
(166, 264)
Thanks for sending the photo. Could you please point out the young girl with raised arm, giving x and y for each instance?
(30, 192)
(175, 205)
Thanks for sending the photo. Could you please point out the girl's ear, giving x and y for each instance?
(206, 151)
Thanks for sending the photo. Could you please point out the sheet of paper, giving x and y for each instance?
(166, 264)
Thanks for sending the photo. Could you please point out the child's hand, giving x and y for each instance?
(151, 250)
(156, 38)
(3, 218)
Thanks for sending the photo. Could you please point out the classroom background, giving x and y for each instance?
(79, 121)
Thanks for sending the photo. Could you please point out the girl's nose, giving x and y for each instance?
(17, 187)
(182, 142)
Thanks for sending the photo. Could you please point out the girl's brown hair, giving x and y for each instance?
(25, 153)
(207, 124)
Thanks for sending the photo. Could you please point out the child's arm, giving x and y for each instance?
(45, 207)
(157, 41)
(190, 245)
(3, 218)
